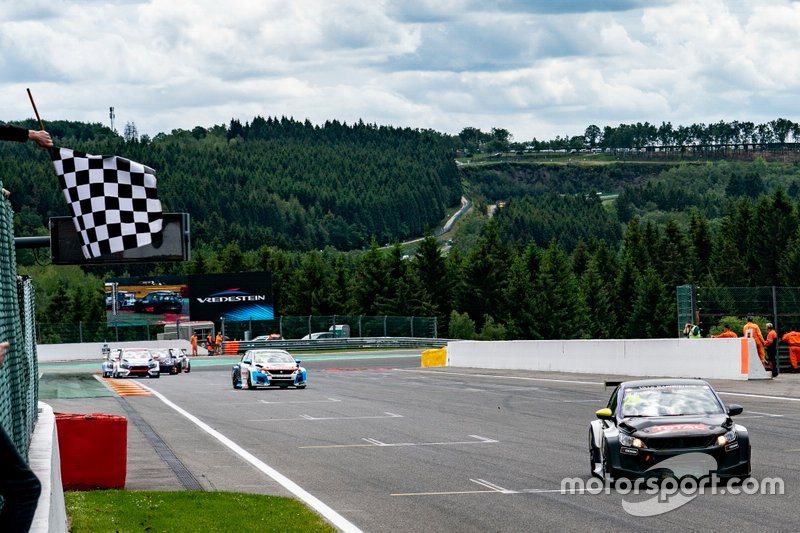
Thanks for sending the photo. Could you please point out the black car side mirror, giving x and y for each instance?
(735, 409)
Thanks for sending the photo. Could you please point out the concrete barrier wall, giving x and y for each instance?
(44, 459)
(48, 353)
(700, 358)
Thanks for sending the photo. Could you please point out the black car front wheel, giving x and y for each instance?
(609, 473)
(594, 455)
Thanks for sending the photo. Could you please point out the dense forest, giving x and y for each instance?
(557, 260)
(286, 183)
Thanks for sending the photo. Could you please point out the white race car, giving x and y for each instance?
(172, 360)
(127, 362)
(268, 368)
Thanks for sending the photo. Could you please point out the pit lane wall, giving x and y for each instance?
(691, 358)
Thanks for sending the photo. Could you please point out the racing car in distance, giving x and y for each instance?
(172, 360)
(648, 422)
(124, 362)
(268, 368)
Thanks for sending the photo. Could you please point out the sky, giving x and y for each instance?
(537, 68)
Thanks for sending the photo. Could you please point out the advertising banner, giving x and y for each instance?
(152, 300)
(237, 297)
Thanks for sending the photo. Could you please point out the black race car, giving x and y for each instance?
(159, 302)
(650, 421)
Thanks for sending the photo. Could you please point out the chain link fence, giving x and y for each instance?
(779, 305)
(712, 307)
(19, 387)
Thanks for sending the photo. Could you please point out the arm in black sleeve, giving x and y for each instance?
(13, 133)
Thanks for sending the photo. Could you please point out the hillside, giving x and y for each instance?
(282, 183)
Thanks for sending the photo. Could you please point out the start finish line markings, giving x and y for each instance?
(376, 443)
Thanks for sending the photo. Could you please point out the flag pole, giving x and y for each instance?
(41, 126)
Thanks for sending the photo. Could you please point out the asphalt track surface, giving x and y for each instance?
(388, 446)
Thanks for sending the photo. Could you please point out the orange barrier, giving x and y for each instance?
(93, 450)
(230, 347)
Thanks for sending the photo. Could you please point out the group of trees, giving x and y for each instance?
(312, 205)
(505, 289)
(640, 135)
(282, 182)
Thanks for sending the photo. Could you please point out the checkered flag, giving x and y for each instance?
(113, 200)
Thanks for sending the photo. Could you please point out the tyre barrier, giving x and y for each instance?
(93, 449)
(230, 347)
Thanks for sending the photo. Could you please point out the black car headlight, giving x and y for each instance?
(728, 437)
(630, 441)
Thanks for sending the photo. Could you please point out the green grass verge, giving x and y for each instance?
(174, 512)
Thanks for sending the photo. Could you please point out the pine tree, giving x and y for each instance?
(728, 266)
(673, 257)
(596, 292)
(371, 280)
(652, 315)
(562, 310)
(776, 223)
(431, 271)
(625, 290)
(700, 240)
(485, 274)
(520, 295)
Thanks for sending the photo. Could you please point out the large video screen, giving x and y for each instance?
(151, 300)
(171, 244)
(238, 297)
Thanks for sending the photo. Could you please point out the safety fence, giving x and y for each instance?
(288, 327)
(19, 387)
(712, 307)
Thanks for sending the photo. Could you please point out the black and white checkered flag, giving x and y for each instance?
(113, 200)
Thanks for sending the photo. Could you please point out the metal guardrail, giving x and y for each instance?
(350, 343)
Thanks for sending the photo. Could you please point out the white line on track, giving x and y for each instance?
(496, 489)
(501, 377)
(313, 418)
(375, 442)
(490, 485)
(758, 414)
(329, 400)
(762, 396)
(312, 501)
(746, 394)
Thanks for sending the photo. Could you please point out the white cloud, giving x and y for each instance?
(535, 68)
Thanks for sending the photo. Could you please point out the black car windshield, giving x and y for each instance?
(670, 400)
